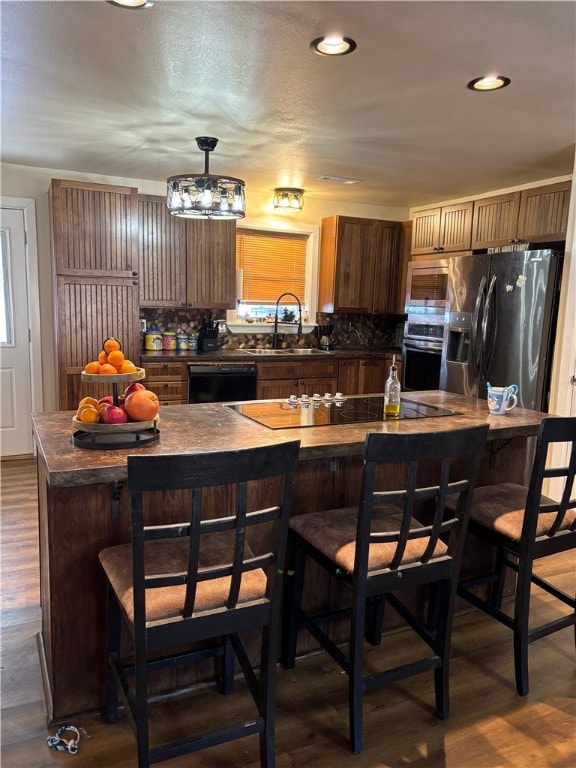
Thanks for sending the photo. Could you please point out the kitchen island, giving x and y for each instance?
(84, 507)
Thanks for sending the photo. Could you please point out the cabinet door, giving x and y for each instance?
(211, 263)
(161, 254)
(426, 231)
(456, 227)
(348, 376)
(543, 213)
(94, 229)
(355, 259)
(317, 386)
(387, 269)
(495, 220)
(274, 389)
(371, 376)
(88, 311)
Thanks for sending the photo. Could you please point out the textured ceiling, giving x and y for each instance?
(93, 88)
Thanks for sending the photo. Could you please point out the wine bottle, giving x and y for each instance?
(392, 393)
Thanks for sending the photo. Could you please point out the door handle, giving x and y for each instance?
(475, 346)
(488, 348)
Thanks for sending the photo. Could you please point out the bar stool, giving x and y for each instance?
(379, 546)
(197, 582)
(525, 526)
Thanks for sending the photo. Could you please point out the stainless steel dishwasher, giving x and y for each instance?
(221, 382)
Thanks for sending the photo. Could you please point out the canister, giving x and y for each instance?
(182, 341)
(153, 339)
(193, 342)
(169, 340)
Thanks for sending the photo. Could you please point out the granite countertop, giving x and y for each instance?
(210, 427)
(242, 355)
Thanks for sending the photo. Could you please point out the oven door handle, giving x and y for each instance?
(423, 347)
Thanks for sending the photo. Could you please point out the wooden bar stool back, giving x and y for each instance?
(379, 547)
(196, 584)
(525, 526)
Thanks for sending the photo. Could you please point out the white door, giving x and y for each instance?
(15, 366)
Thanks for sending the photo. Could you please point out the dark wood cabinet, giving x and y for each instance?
(184, 262)
(89, 309)
(543, 214)
(94, 228)
(94, 252)
(359, 265)
(538, 214)
(161, 254)
(282, 379)
(169, 381)
(442, 230)
(363, 376)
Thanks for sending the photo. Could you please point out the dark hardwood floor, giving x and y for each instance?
(490, 725)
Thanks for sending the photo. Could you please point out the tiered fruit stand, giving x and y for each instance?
(132, 434)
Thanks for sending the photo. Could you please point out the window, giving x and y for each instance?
(272, 263)
(6, 314)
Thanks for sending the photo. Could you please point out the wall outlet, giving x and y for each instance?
(143, 326)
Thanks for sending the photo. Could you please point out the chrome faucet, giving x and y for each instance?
(275, 344)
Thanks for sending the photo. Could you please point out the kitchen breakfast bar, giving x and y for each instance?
(84, 507)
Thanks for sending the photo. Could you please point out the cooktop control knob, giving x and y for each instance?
(293, 398)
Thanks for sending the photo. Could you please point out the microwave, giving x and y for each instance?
(427, 286)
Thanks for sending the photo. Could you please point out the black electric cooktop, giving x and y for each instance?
(321, 412)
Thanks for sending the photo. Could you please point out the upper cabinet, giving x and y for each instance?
(184, 262)
(442, 230)
(539, 214)
(94, 228)
(359, 265)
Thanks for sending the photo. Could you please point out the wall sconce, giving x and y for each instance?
(288, 198)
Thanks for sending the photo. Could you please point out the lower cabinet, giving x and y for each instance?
(169, 381)
(363, 376)
(282, 379)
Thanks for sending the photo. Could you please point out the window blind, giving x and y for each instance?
(273, 263)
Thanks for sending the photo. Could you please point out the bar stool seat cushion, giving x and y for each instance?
(169, 556)
(501, 509)
(333, 532)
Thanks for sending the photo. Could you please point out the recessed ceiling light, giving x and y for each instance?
(133, 4)
(333, 45)
(489, 83)
(340, 179)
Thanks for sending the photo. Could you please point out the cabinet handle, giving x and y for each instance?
(134, 274)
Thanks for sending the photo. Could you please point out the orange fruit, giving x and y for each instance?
(93, 367)
(142, 405)
(107, 369)
(127, 367)
(111, 344)
(89, 414)
(102, 357)
(88, 401)
(116, 358)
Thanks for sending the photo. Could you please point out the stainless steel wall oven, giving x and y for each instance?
(424, 334)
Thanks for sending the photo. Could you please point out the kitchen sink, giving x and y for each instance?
(306, 351)
(287, 351)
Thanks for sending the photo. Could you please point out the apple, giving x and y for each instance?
(134, 387)
(114, 415)
(107, 399)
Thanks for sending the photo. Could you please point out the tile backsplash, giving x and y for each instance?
(351, 331)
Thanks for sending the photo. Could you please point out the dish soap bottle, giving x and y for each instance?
(392, 393)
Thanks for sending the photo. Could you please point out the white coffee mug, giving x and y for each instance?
(502, 399)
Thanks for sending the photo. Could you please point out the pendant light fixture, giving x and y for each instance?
(203, 195)
(288, 199)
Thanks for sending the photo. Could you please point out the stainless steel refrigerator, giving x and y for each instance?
(502, 310)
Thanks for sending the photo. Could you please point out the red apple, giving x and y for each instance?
(134, 387)
(107, 399)
(114, 415)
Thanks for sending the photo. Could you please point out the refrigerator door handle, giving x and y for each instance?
(475, 345)
(488, 344)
